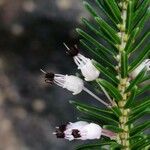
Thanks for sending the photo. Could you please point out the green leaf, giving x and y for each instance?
(97, 55)
(94, 42)
(114, 10)
(145, 103)
(142, 90)
(137, 116)
(140, 128)
(99, 33)
(129, 16)
(137, 137)
(146, 78)
(98, 145)
(108, 29)
(116, 110)
(106, 73)
(145, 146)
(105, 9)
(90, 9)
(138, 78)
(97, 115)
(140, 144)
(124, 64)
(89, 119)
(135, 3)
(140, 12)
(140, 58)
(131, 98)
(113, 128)
(95, 109)
(145, 18)
(112, 90)
(141, 42)
(131, 40)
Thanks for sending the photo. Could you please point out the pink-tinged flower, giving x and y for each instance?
(83, 131)
(84, 64)
(71, 83)
(144, 64)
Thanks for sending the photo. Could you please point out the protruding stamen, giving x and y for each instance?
(54, 133)
(66, 46)
(49, 77)
(72, 51)
(43, 71)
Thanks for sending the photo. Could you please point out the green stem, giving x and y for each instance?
(123, 136)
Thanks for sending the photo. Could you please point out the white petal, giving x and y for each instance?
(89, 71)
(70, 137)
(77, 125)
(73, 84)
(92, 131)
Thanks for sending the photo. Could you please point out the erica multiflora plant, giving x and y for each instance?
(120, 48)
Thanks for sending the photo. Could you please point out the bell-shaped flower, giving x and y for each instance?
(69, 82)
(144, 64)
(88, 70)
(83, 131)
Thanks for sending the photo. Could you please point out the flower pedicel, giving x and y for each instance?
(83, 131)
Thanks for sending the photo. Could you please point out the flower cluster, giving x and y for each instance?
(74, 83)
(83, 130)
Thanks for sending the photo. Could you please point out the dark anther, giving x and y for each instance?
(60, 134)
(49, 78)
(72, 51)
(62, 128)
(75, 133)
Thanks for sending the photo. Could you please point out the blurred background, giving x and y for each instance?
(31, 37)
(32, 33)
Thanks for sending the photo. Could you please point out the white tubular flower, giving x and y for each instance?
(145, 63)
(69, 82)
(82, 130)
(88, 70)
(84, 64)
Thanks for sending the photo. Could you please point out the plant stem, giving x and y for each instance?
(123, 136)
